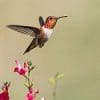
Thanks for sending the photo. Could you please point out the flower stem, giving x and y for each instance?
(55, 92)
(29, 82)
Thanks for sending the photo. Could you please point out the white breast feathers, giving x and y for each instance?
(47, 31)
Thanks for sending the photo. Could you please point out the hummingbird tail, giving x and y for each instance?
(32, 45)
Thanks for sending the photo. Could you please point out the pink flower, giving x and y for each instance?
(21, 70)
(31, 95)
(5, 94)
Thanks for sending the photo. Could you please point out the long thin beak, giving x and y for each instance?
(62, 17)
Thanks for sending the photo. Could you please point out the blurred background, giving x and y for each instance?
(73, 49)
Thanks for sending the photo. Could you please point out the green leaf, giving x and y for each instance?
(29, 63)
(52, 81)
(59, 76)
(32, 68)
(56, 75)
(26, 84)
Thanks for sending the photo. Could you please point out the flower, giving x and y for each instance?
(5, 94)
(21, 70)
(31, 95)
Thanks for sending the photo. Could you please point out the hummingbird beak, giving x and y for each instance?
(61, 17)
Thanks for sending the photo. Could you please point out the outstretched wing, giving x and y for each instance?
(28, 30)
(32, 45)
(41, 21)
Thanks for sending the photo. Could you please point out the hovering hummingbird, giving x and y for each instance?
(40, 35)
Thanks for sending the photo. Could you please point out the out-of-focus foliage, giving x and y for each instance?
(53, 80)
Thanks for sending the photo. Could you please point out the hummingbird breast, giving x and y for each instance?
(47, 32)
(44, 36)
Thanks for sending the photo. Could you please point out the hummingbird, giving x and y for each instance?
(40, 35)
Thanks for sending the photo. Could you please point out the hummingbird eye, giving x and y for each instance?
(50, 18)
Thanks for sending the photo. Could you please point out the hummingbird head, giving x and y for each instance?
(51, 21)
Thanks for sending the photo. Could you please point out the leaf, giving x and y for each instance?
(29, 63)
(52, 81)
(26, 84)
(32, 68)
(59, 76)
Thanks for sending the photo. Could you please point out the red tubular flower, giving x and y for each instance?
(31, 95)
(21, 70)
(5, 94)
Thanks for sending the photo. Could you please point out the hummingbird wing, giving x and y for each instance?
(41, 21)
(28, 30)
(32, 45)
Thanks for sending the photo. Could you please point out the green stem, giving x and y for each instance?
(28, 71)
(29, 82)
(55, 92)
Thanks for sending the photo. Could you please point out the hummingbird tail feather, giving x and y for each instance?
(32, 45)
